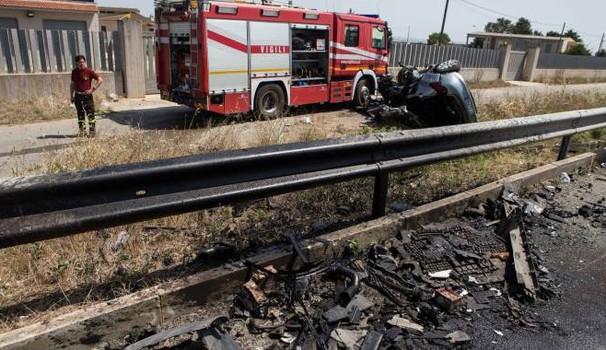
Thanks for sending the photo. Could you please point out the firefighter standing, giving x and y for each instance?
(81, 93)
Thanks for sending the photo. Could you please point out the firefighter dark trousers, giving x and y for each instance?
(85, 106)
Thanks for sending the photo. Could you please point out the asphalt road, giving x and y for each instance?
(574, 253)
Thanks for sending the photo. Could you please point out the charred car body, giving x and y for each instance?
(435, 96)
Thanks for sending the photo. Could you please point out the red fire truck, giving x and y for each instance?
(237, 57)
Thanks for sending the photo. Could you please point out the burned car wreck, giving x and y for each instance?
(434, 96)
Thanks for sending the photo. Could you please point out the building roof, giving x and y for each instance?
(117, 10)
(49, 5)
(132, 16)
(517, 36)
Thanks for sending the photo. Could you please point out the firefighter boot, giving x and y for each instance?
(81, 128)
(91, 128)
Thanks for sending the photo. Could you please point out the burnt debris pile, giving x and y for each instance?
(424, 289)
(421, 289)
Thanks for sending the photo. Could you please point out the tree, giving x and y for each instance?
(522, 26)
(601, 53)
(574, 35)
(578, 50)
(435, 37)
(502, 25)
(570, 34)
(477, 43)
(537, 33)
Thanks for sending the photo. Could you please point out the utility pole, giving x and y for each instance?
(443, 23)
(601, 43)
(561, 35)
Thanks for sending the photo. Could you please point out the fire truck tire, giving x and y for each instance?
(269, 103)
(363, 92)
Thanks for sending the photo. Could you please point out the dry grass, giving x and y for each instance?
(487, 84)
(35, 110)
(88, 267)
(32, 110)
(536, 104)
(561, 80)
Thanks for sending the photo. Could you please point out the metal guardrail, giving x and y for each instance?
(50, 206)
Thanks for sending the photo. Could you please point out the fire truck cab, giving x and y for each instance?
(237, 57)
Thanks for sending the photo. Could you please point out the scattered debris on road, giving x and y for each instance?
(413, 291)
(424, 289)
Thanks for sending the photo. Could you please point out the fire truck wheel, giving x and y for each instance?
(362, 96)
(269, 102)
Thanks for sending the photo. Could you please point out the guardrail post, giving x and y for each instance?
(379, 200)
(564, 147)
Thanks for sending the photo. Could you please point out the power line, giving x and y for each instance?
(487, 9)
(476, 11)
(588, 34)
(504, 14)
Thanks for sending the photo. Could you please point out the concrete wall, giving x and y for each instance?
(477, 75)
(545, 74)
(18, 86)
(36, 22)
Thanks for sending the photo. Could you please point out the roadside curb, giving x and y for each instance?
(158, 305)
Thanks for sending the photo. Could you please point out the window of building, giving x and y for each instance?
(8, 23)
(352, 35)
(52, 24)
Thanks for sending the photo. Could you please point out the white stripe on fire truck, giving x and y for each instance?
(356, 51)
(164, 40)
(254, 71)
(163, 26)
(355, 68)
(350, 57)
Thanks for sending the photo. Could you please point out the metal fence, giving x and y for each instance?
(50, 206)
(51, 51)
(420, 55)
(557, 61)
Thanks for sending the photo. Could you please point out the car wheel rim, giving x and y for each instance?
(364, 96)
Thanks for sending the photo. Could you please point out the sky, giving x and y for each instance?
(416, 20)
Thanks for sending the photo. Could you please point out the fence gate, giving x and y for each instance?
(149, 48)
(515, 70)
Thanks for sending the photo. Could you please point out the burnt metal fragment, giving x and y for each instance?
(354, 315)
(354, 283)
(585, 211)
(372, 341)
(188, 328)
(220, 251)
(447, 299)
(458, 337)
